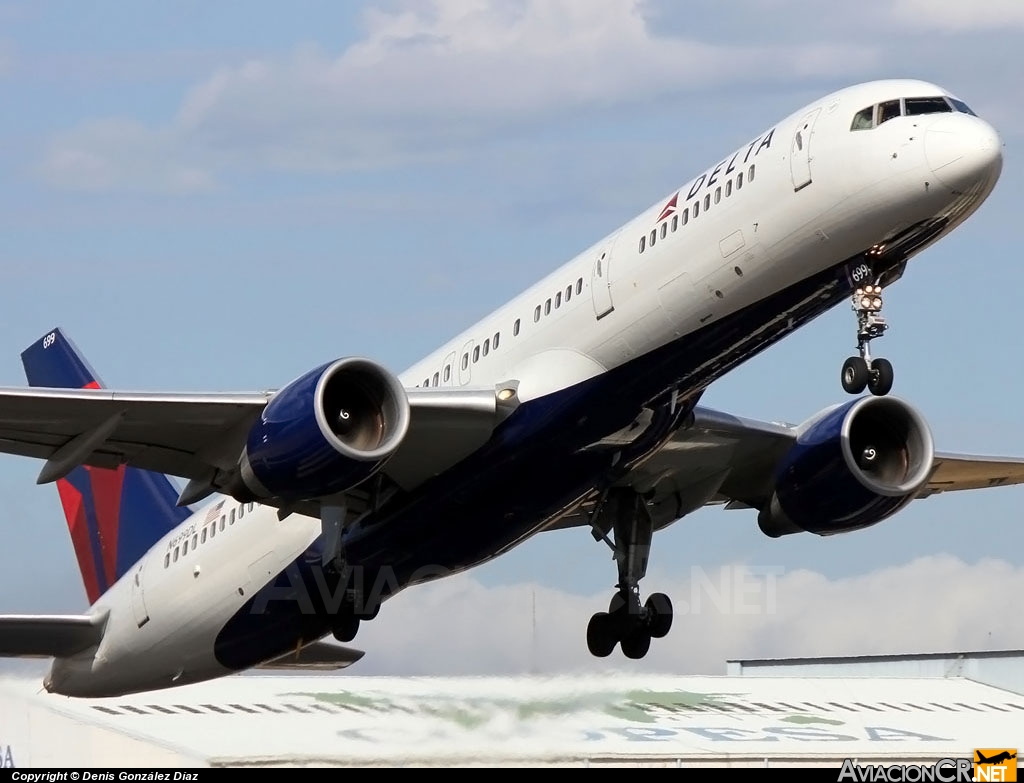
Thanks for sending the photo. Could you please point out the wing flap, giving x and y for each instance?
(322, 656)
(48, 636)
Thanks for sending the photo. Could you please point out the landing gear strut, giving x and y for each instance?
(860, 372)
(628, 622)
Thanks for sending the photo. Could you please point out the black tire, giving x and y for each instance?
(637, 644)
(856, 375)
(620, 620)
(601, 638)
(346, 627)
(659, 615)
(882, 376)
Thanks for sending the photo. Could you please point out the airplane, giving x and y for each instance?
(996, 759)
(576, 404)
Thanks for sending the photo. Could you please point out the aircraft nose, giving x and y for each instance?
(963, 151)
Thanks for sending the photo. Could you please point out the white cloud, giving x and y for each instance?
(938, 603)
(424, 78)
(958, 16)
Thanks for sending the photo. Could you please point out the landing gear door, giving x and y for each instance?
(138, 596)
(800, 150)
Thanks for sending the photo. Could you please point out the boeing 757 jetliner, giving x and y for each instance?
(573, 405)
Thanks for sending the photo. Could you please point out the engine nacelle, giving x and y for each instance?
(325, 432)
(851, 467)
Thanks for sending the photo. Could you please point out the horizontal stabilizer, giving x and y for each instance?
(48, 636)
(318, 655)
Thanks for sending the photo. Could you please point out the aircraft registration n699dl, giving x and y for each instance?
(575, 404)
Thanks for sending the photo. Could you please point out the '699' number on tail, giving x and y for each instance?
(50, 339)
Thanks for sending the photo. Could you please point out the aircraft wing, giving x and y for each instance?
(47, 636)
(193, 435)
(727, 459)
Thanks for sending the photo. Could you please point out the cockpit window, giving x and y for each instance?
(888, 110)
(959, 105)
(864, 119)
(926, 105)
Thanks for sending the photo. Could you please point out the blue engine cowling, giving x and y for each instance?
(325, 432)
(851, 467)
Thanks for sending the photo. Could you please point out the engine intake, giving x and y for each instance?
(326, 431)
(851, 467)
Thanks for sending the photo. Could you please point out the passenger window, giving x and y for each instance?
(213, 529)
(250, 507)
(426, 383)
(447, 373)
(476, 354)
(536, 314)
(436, 381)
(465, 361)
(579, 286)
(497, 337)
(696, 207)
(167, 559)
(175, 554)
(195, 540)
(675, 222)
(750, 174)
(707, 202)
(184, 548)
(739, 180)
(221, 523)
(728, 188)
(643, 242)
(654, 236)
(547, 307)
(888, 110)
(664, 230)
(241, 511)
(515, 328)
(487, 346)
(718, 194)
(204, 536)
(558, 300)
(926, 106)
(568, 293)
(232, 516)
(686, 216)
(864, 119)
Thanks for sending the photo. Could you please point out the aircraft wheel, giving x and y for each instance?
(601, 636)
(659, 614)
(346, 627)
(880, 382)
(856, 375)
(637, 644)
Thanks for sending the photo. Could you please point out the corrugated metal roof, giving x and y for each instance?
(348, 720)
(999, 668)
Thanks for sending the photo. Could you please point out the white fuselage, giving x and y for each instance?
(813, 194)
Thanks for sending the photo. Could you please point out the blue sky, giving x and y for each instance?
(220, 196)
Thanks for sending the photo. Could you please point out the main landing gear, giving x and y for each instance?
(860, 372)
(628, 622)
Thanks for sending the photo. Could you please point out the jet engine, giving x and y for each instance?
(852, 466)
(325, 432)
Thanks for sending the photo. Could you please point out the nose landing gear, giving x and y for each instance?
(864, 372)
